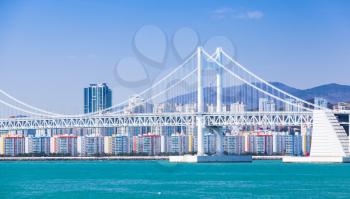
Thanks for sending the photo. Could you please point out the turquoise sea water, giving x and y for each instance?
(160, 179)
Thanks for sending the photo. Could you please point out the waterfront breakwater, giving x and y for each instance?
(128, 158)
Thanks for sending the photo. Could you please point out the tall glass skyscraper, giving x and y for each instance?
(97, 97)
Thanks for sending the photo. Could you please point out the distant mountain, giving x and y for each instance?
(285, 88)
(333, 93)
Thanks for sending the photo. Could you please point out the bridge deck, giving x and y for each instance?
(160, 119)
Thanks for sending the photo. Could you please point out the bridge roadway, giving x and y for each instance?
(160, 119)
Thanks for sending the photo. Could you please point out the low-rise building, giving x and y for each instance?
(342, 106)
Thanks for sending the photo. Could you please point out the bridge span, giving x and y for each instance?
(164, 119)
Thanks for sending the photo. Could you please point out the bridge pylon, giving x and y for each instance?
(219, 82)
(200, 104)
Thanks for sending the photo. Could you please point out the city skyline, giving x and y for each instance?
(47, 61)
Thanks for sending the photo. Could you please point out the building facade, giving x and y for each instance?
(266, 105)
(64, 144)
(234, 144)
(151, 144)
(12, 145)
(37, 145)
(120, 144)
(90, 145)
(97, 97)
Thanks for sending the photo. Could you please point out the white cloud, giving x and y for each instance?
(242, 13)
(254, 14)
(222, 13)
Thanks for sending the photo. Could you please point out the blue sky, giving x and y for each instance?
(51, 50)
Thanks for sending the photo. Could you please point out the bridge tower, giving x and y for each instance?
(218, 130)
(219, 81)
(200, 104)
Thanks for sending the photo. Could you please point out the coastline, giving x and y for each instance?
(128, 158)
(124, 158)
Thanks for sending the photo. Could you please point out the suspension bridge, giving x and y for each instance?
(206, 91)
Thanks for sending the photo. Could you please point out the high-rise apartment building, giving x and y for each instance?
(266, 105)
(233, 144)
(120, 144)
(179, 143)
(37, 144)
(151, 144)
(90, 145)
(12, 145)
(64, 144)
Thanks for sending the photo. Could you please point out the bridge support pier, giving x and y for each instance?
(200, 140)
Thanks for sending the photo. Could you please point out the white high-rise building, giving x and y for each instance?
(136, 105)
(321, 102)
(237, 107)
(293, 105)
(266, 105)
(37, 144)
(190, 108)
